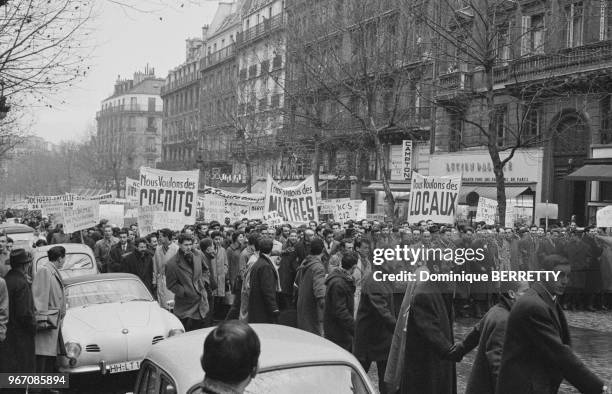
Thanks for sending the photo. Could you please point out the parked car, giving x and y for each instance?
(79, 261)
(291, 361)
(21, 234)
(111, 323)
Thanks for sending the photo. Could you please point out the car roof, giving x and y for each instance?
(70, 248)
(94, 277)
(281, 347)
(15, 228)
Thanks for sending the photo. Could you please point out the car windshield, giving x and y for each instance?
(320, 379)
(74, 261)
(106, 291)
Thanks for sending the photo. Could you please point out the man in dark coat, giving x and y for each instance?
(140, 263)
(338, 322)
(261, 301)
(119, 251)
(489, 336)
(287, 270)
(429, 367)
(188, 277)
(19, 350)
(537, 355)
(310, 288)
(374, 326)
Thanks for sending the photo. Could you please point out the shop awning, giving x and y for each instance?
(491, 191)
(593, 170)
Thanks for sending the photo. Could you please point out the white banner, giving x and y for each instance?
(80, 217)
(486, 211)
(327, 206)
(604, 216)
(273, 219)
(407, 159)
(132, 187)
(434, 198)
(297, 204)
(220, 204)
(150, 219)
(54, 208)
(37, 202)
(114, 213)
(175, 190)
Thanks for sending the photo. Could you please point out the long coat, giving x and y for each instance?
(310, 282)
(142, 267)
(117, 254)
(188, 283)
(537, 355)
(18, 351)
(375, 321)
(233, 263)
(48, 292)
(160, 259)
(263, 304)
(489, 336)
(219, 269)
(429, 337)
(338, 321)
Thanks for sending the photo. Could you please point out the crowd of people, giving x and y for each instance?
(319, 278)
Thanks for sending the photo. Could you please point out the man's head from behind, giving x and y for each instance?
(231, 353)
(562, 267)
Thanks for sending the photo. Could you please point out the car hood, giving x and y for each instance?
(112, 316)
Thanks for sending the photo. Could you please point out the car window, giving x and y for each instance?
(74, 261)
(147, 384)
(166, 386)
(106, 291)
(320, 379)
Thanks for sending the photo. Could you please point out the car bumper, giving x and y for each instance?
(101, 367)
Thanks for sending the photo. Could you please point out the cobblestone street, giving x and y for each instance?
(591, 337)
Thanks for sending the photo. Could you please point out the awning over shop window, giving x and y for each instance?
(491, 191)
(593, 170)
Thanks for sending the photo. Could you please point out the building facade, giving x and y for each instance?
(129, 126)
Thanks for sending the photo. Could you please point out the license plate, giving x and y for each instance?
(124, 367)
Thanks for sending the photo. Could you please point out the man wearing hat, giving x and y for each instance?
(18, 351)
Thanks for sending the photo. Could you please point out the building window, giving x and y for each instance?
(501, 115)
(253, 71)
(502, 45)
(133, 104)
(532, 34)
(606, 120)
(277, 62)
(455, 130)
(275, 101)
(132, 123)
(532, 127)
(574, 24)
(265, 67)
(151, 104)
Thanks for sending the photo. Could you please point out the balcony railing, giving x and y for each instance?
(565, 61)
(178, 83)
(218, 56)
(260, 30)
(127, 108)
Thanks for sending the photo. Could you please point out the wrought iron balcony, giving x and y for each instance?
(454, 85)
(260, 30)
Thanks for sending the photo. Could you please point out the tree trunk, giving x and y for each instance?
(390, 200)
(249, 175)
(316, 161)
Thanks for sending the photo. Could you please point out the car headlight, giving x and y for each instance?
(175, 331)
(73, 350)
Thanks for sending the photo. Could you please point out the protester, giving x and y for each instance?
(287, 270)
(187, 276)
(50, 303)
(102, 249)
(233, 256)
(339, 323)
(19, 349)
(165, 252)
(119, 251)
(4, 256)
(310, 289)
(537, 354)
(140, 263)
(219, 270)
(230, 359)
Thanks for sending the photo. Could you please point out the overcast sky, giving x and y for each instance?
(126, 41)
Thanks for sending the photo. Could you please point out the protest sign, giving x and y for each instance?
(297, 204)
(407, 159)
(113, 213)
(36, 202)
(434, 198)
(220, 204)
(486, 210)
(326, 207)
(273, 219)
(53, 207)
(350, 210)
(80, 217)
(175, 190)
(150, 218)
(132, 187)
(604, 216)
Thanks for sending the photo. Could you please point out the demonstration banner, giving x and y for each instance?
(150, 218)
(297, 204)
(350, 210)
(326, 207)
(176, 191)
(114, 213)
(37, 202)
(273, 219)
(486, 210)
(603, 217)
(132, 187)
(434, 198)
(53, 208)
(220, 204)
(80, 217)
